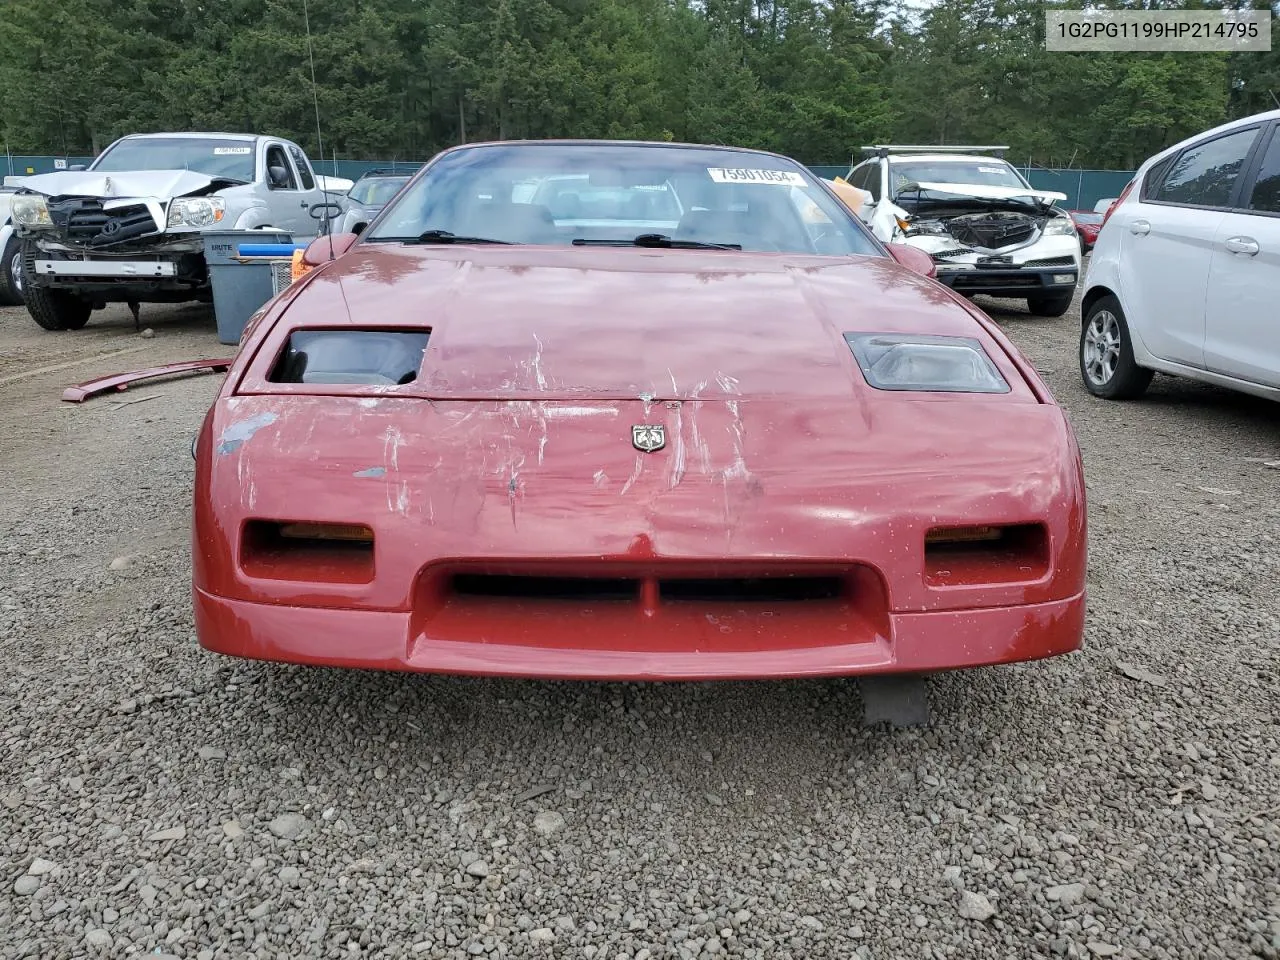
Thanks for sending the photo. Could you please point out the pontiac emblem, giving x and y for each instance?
(648, 437)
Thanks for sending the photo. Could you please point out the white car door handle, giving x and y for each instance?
(1140, 228)
(1244, 245)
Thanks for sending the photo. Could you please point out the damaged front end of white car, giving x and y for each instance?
(998, 241)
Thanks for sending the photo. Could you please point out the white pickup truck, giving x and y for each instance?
(128, 228)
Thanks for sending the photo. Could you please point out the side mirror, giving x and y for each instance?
(359, 228)
(323, 249)
(913, 258)
(279, 177)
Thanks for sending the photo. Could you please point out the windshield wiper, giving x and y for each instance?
(657, 240)
(444, 236)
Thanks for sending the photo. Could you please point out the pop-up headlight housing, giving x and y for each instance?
(931, 364)
(369, 357)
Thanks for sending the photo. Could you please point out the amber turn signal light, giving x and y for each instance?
(326, 531)
(962, 535)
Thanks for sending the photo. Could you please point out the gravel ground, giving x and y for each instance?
(1120, 802)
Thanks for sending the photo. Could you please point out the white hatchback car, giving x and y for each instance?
(1185, 276)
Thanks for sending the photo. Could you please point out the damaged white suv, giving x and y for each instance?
(987, 229)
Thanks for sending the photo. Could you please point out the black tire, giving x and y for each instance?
(1050, 306)
(1107, 366)
(11, 283)
(51, 309)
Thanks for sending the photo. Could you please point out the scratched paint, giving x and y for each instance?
(238, 433)
(371, 472)
(635, 475)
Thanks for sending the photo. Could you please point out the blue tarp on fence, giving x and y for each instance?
(1083, 188)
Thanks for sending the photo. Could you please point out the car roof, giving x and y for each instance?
(1204, 134)
(192, 136)
(652, 144)
(947, 157)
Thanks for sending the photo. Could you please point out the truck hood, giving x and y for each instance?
(986, 192)
(140, 183)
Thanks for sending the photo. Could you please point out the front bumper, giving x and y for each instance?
(172, 270)
(1011, 281)
(119, 269)
(392, 640)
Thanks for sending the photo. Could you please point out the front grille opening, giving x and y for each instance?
(579, 589)
(977, 555)
(751, 590)
(384, 358)
(316, 552)
(674, 606)
(975, 281)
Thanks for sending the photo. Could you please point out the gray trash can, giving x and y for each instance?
(238, 288)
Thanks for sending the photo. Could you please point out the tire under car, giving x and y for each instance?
(11, 283)
(52, 309)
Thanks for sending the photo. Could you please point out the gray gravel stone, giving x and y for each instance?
(974, 906)
(1067, 894)
(26, 885)
(288, 826)
(548, 822)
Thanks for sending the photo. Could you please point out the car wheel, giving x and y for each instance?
(53, 309)
(1053, 306)
(11, 273)
(1106, 354)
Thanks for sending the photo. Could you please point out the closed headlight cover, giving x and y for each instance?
(925, 364)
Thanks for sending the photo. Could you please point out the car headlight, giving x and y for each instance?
(196, 211)
(30, 210)
(921, 228)
(891, 361)
(1059, 226)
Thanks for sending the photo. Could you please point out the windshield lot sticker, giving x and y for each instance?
(991, 169)
(231, 151)
(781, 178)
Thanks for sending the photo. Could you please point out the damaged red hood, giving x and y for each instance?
(541, 323)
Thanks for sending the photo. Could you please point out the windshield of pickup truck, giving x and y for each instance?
(232, 159)
(986, 173)
(595, 195)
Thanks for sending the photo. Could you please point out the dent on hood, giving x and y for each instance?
(138, 183)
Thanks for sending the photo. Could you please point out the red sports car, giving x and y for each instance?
(626, 410)
(1087, 224)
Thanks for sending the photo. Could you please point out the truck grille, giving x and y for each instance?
(992, 231)
(1051, 262)
(82, 220)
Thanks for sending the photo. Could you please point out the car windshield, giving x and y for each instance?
(213, 157)
(376, 191)
(986, 173)
(561, 194)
